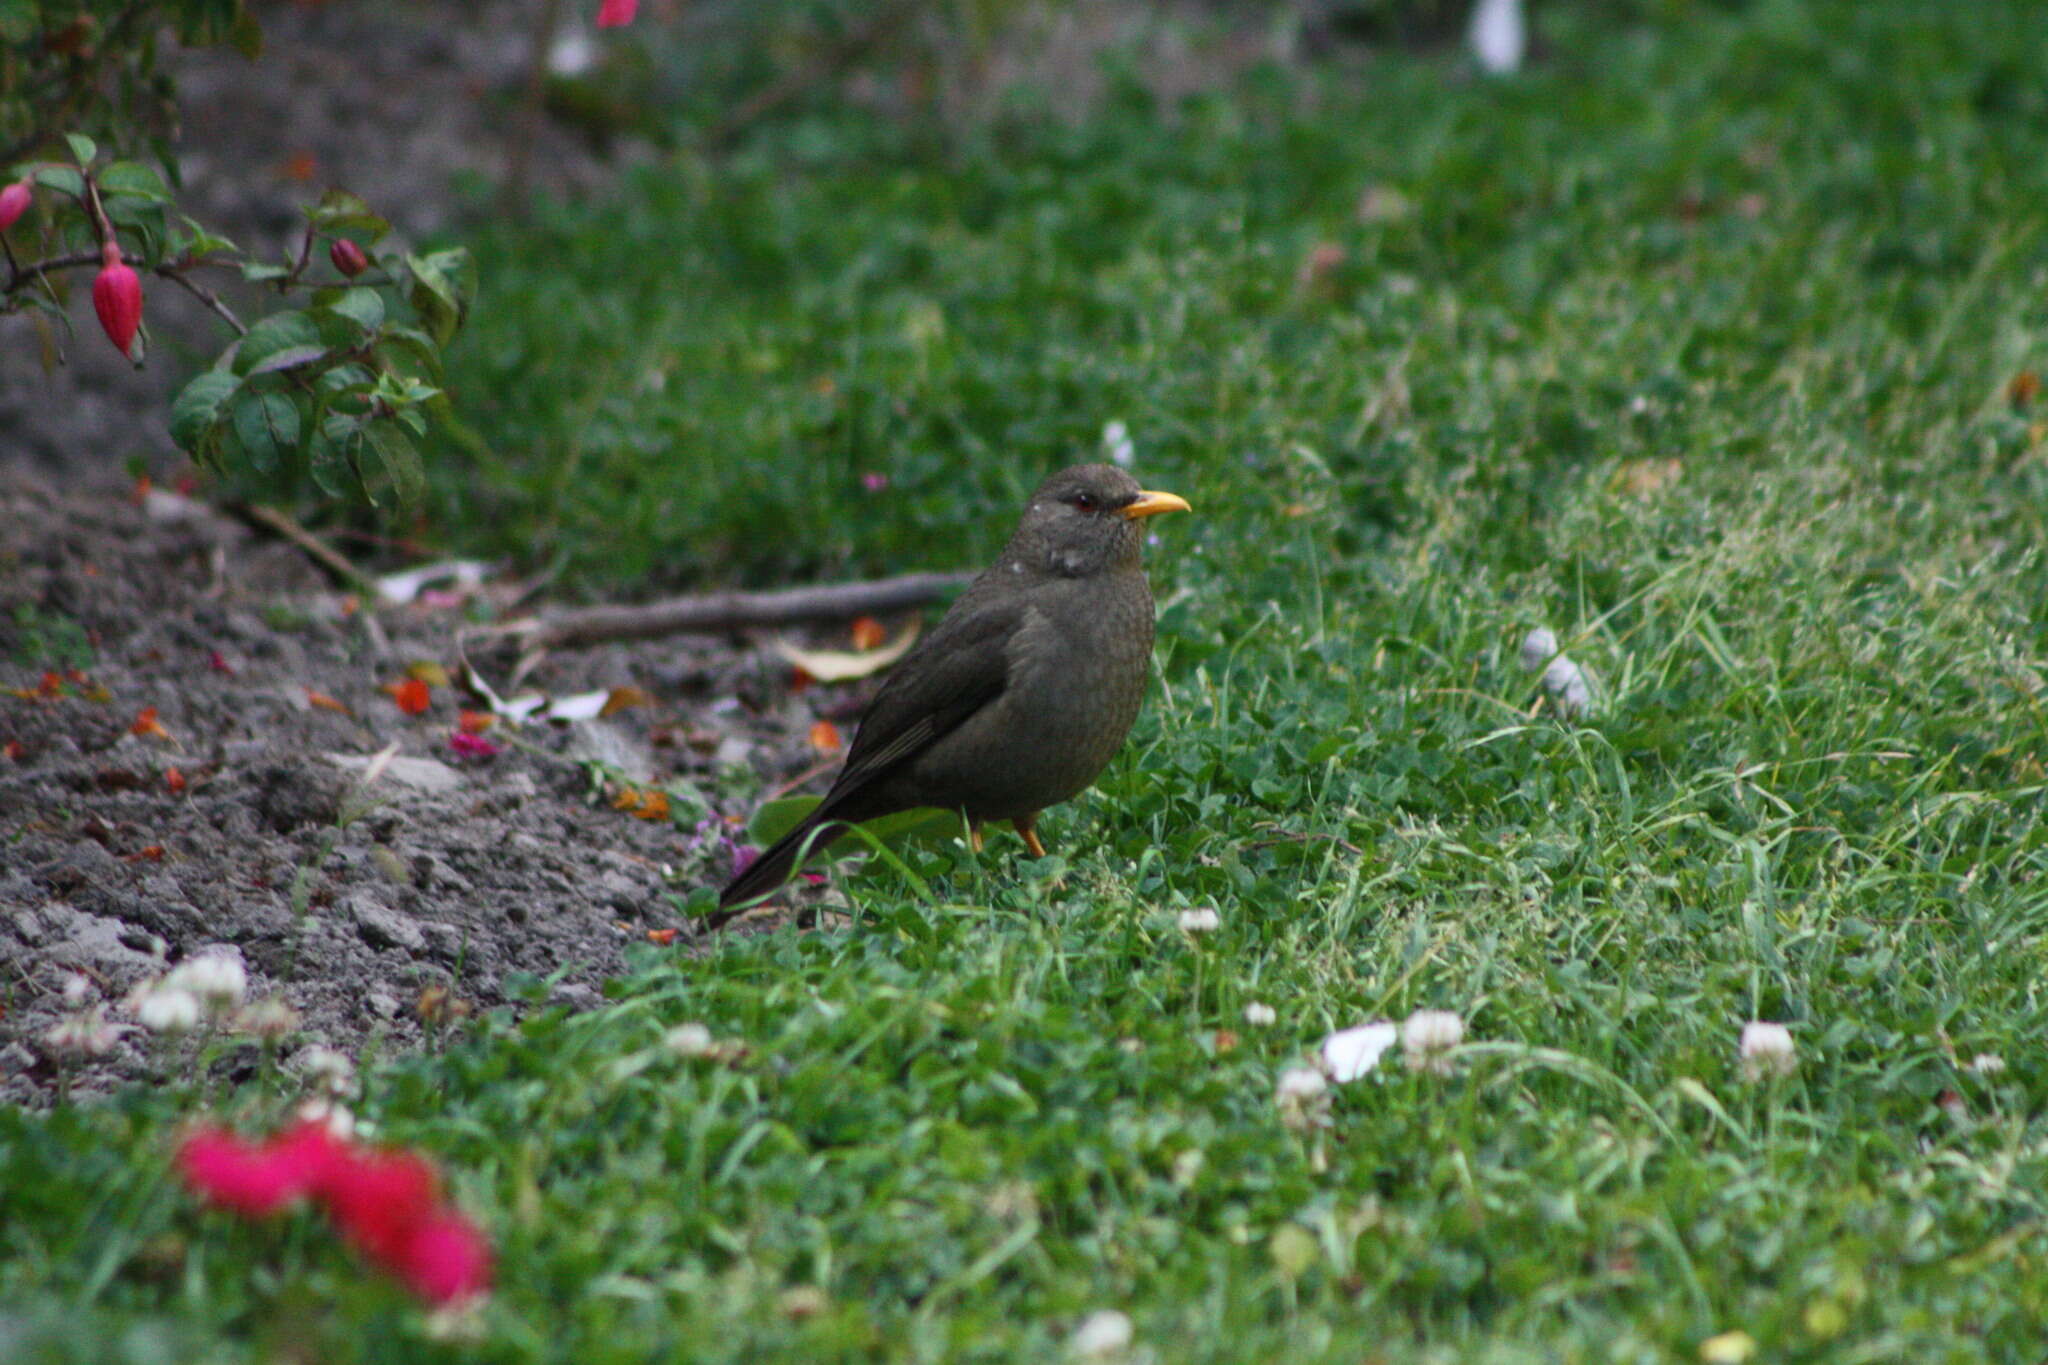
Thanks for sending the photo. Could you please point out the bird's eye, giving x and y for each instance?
(1084, 502)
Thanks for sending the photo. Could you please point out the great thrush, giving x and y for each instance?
(1019, 696)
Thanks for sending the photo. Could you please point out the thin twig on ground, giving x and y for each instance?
(719, 611)
(280, 523)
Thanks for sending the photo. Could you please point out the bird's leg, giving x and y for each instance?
(1027, 826)
(974, 835)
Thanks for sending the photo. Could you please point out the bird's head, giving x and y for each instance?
(1085, 521)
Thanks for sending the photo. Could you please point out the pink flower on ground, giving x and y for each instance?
(874, 483)
(744, 857)
(613, 13)
(445, 1259)
(467, 745)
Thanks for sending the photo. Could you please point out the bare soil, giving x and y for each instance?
(240, 821)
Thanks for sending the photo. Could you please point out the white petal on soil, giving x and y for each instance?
(838, 665)
(582, 706)
(400, 588)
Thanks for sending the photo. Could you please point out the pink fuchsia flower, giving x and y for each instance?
(466, 745)
(117, 298)
(13, 203)
(614, 13)
(445, 1259)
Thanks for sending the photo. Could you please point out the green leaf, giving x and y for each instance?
(289, 358)
(197, 407)
(443, 284)
(266, 426)
(289, 330)
(364, 307)
(401, 461)
(411, 352)
(197, 242)
(341, 212)
(83, 148)
(62, 179)
(258, 274)
(134, 179)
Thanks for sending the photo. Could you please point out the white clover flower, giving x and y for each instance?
(329, 1069)
(77, 990)
(1105, 1332)
(1300, 1083)
(163, 1010)
(1303, 1097)
(216, 981)
(1428, 1037)
(1350, 1053)
(1498, 35)
(1202, 921)
(1570, 689)
(85, 1034)
(335, 1115)
(1538, 647)
(689, 1040)
(1259, 1014)
(1767, 1051)
(1116, 443)
(1987, 1064)
(269, 1017)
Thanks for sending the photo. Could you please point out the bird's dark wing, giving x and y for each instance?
(962, 666)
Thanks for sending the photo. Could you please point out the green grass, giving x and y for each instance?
(1812, 792)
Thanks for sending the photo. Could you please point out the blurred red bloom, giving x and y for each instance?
(256, 1178)
(387, 1202)
(444, 1259)
(613, 13)
(379, 1198)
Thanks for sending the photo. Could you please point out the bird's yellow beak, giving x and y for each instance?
(1152, 504)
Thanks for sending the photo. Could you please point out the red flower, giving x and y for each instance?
(444, 1259)
(388, 1203)
(117, 298)
(380, 1198)
(613, 13)
(13, 203)
(467, 745)
(258, 1178)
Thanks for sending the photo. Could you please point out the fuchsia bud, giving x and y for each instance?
(613, 13)
(13, 203)
(348, 258)
(117, 298)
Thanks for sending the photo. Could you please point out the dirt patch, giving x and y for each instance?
(265, 685)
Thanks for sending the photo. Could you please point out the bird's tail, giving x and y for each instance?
(773, 867)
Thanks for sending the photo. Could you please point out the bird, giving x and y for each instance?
(1019, 697)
